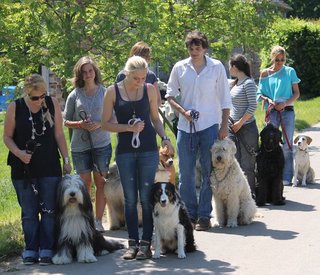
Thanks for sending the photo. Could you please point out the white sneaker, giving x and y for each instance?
(285, 183)
(98, 225)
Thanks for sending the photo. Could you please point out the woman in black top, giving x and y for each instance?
(135, 106)
(34, 136)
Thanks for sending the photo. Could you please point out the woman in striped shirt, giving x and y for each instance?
(243, 127)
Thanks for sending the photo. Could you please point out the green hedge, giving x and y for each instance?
(301, 39)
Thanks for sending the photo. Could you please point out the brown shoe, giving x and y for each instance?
(132, 251)
(203, 224)
(144, 251)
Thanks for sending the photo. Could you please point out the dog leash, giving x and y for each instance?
(194, 116)
(267, 120)
(135, 141)
(31, 146)
(83, 115)
(239, 138)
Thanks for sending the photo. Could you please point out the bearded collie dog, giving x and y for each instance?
(76, 233)
(173, 228)
(166, 171)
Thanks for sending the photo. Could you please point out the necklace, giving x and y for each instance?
(34, 131)
(133, 103)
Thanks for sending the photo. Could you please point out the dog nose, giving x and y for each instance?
(163, 201)
(219, 158)
(299, 142)
(72, 194)
(170, 162)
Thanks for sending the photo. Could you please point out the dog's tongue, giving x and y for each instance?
(72, 200)
(163, 204)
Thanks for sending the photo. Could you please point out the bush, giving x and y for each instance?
(301, 39)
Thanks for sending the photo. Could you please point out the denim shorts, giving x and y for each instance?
(83, 161)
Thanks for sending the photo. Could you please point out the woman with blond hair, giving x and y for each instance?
(34, 136)
(279, 89)
(135, 105)
(90, 146)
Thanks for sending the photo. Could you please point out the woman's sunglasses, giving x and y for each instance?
(280, 60)
(35, 98)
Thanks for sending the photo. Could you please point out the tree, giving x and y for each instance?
(307, 9)
(57, 34)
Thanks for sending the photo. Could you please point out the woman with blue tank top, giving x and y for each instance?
(136, 110)
(278, 88)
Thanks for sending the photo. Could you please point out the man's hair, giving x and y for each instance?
(196, 38)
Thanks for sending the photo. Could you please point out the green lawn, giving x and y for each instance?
(11, 239)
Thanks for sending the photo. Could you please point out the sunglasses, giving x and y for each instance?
(35, 98)
(280, 60)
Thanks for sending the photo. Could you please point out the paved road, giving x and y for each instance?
(282, 240)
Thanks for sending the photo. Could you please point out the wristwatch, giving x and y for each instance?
(165, 138)
(66, 160)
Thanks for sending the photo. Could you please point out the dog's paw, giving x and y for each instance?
(217, 224)
(181, 255)
(87, 259)
(61, 260)
(304, 184)
(232, 224)
(156, 255)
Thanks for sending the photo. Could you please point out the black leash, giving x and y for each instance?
(240, 139)
(31, 146)
(83, 115)
(195, 116)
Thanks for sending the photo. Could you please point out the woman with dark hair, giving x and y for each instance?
(87, 98)
(243, 127)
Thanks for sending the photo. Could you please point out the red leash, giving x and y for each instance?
(267, 120)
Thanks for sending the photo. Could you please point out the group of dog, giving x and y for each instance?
(234, 204)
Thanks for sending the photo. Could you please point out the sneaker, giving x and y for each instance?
(99, 226)
(45, 261)
(29, 260)
(203, 224)
(286, 183)
(144, 251)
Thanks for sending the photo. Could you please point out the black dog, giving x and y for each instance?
(270, 164)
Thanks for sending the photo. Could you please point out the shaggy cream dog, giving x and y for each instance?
(231, 192)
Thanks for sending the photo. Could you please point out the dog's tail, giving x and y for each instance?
(101, 243)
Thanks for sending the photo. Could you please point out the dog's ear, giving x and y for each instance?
(296, 139)
(309, 140)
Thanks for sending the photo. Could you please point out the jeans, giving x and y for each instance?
(38, 232)
(83, 162)
(202, 142)
(288, 119)
(137, 172)
(247, 136)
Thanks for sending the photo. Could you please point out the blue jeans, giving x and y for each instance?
(137, 172)
(83, 162)
(38, 232)
(288, 119)
(202, 143)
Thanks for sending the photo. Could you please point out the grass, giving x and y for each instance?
(11, 239)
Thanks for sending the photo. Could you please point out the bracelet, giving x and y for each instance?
(66, 160)
(165, 138)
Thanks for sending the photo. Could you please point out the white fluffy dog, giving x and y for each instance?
(302, 170)
(231, 192)
(76, 233)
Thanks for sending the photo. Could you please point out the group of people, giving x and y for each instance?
(209, 108)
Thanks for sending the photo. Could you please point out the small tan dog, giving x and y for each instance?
(166, 171)
(302, 170)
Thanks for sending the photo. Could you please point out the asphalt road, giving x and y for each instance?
(281, 240)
